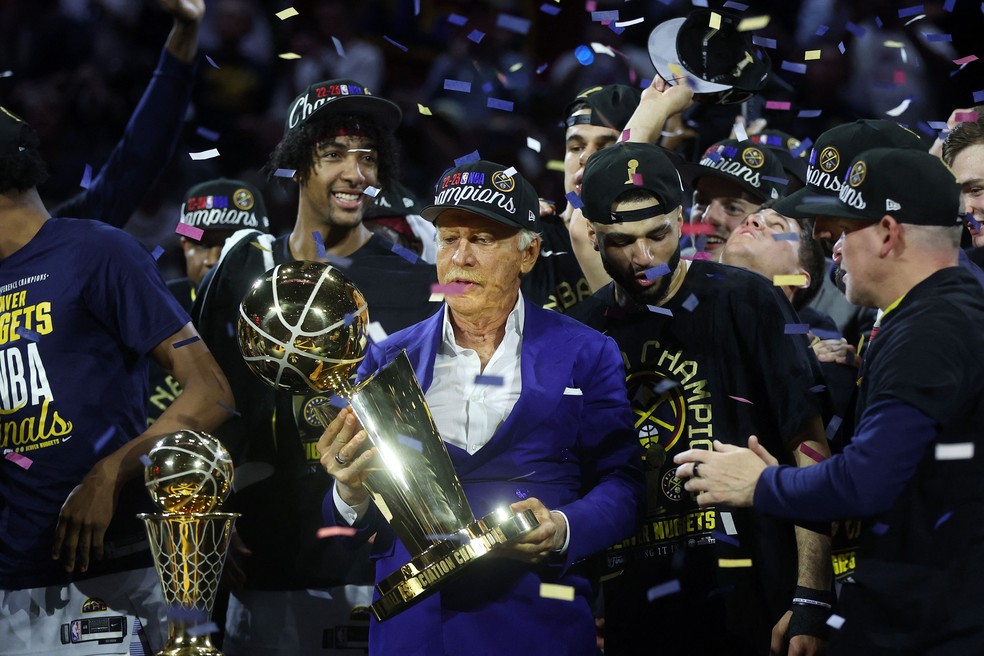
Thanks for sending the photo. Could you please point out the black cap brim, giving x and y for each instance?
(432, 212)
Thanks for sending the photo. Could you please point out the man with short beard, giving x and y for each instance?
(708, 357)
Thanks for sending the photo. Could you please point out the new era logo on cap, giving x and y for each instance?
(891, 205)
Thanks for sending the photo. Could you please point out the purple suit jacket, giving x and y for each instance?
(577, 453)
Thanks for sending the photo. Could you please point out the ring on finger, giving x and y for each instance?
(696, 472)
(340, 461)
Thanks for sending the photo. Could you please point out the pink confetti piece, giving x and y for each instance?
(699, 255)
(637, 179)
(513, 23)
(811, 453)
(189, 231)
(335, 531)
(697, 229)
(663, 590)
(778, 104)
(451, 289)
(966, 117)
(740, 399)
(965, 60)
(898, 77)
(21, 461)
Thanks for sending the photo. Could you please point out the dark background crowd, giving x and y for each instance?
(76, 68)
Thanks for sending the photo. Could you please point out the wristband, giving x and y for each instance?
(811, 609)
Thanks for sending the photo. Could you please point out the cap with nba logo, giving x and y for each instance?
(225, 204)
(488, 189)
(833, 152)
(753, 167)
(333, 97)
(909, 185)
(613, 171)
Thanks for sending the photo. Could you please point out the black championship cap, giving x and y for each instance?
(783, 144)
(225, 204)
(610, 106)
(11, 126)
(333, 97)
(726, 66)
(488, 189)
(394, 200)
(910, 185)
(832, 153)
(623, 167)
(754, 168)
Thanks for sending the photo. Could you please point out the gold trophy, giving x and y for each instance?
(189, 475)
(302, 328)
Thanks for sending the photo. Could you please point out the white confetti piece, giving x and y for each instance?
(205, 154)
(554, 591)
(376, 332)
(532, 144)
(956, 451)
(835, 621)
(729, 523)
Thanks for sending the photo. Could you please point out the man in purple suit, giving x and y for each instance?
(552, 433)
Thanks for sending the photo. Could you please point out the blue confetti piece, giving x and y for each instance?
(878, 21)
(666, 385)
(491, 381)
(28, 334)
(574, 200)
(228, 408)
(663, 590)
(145, 461)
(714, 155)
(522, 493)
(911, 11)
(615, 28)
(455, 19)
(833, 426)
(411, 443)
(796, 328)
(473, 156)
(879, 528)
(802, 148)
(695, 3)
(284, 173)
(457, 85)
(816, 389)
(319, 245)
(186, 342)
(763, 41)
(937, 125)
(604, 16)
(487, 87)
(730, 4)
(778, 181)
(398, 45)
(727, 539)
(938, 37)
(541, 68)
(942, 519)
(793, 67)
(657, 271)
(86, 177)
(948, 5)
(730, 151)
(856, 30)
(211, 62)
(405, 253)
(205, 133)
(584, 55)
(925, 128)
(660, 310)
(822, 30)
(690, 303)
(549, 9)
(476, 36)
(809, 113)
(972, 221)
(157, 252)
(513, 23)
(840, 46)
(103, 439)
(337, 402)
(979, 96)
(786, 236)
(495, 103)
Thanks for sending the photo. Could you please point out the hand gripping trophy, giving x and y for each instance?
(303, 327)
(189, 475)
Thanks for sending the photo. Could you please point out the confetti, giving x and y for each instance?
(205, 154)
(338, 46)
(805, 145)
(664, 386)
(284, 173)
(28, 334)
(496, 103)
(900, 108)
(202, 629)
(532, 144)
(734, 562)
(942, 519)
(740, 135)
(663, 590)
(476, 36)
(541, 68)
(157, 252)
(779, 181)
(371, 191)
(410, 443)
(455, 19)
(21, 461)
(697, 229)
(796, 328)
(451, 289)
(392, 42)
(793, 67)
(335, 531)
(191, 232)
(145, 461)
(786, 236)
(510, 172)
(186, 342)
(473, 156)
(657, 271)
(555, 591)
(211, 62)
(337, 402)
(289, 12)
(207, 134)
(833, 426)
(690, 303)
(735, 5)
(973, 222)
(753, 23)
(262, 248)
(727, 539)
(660, 310)
(955, 451)
(965, 60)
(103, 439)
(549, 9)
(715, 21)
(584, 55)
(574, 200)
(521, 493)
(289, 55)
(937, 37)
(821, 30)
(86, 177)
(811, 55)
(629, 23)
(979, 96)
(893, 44)
(376, 332)
(794, 279)
(840, 46)
(424, 110)
(856, 30)
(228, 408)
(319, 245)
(405, 253)
(948, 5)
(966, 117)
(835, 621)
(729, 523)
(740, 399)
(491, 381)
(763, 41)
(513, 23)
(911, 11)
(606, 16)
(457, 85)
(879, 529)
(487, 87)
(811, 453)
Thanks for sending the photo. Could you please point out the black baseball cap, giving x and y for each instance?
(625, 166)
(754, 168)
(783, 144)
(611, 106)
(225, 204)
(12, 127)
(333, 97)
(726, 66)
(488, 189)
(910, 185)
(394, 200)
(833, 151)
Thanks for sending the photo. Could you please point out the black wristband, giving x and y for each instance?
(811, 610)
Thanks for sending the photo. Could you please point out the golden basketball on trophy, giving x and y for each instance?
(189, 475)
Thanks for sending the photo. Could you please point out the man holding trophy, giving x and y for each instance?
(533, 411)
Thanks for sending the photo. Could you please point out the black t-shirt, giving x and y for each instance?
(556, 281)
(282, 513)
(720, 368)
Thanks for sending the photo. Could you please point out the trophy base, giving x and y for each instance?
(420, 577)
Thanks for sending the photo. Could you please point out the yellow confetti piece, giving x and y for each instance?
(715, 21)
(894, 44)
(795, 280)
(734, 562)
(424, 110)
(260, 246)
(554, 591)
(753, 23)
(811, 55)
(289, 55)
(289, 12)
(515, 67)
(555, 165)
(436, 298)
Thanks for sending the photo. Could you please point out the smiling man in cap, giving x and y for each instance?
(913, 469)
(552, 434)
